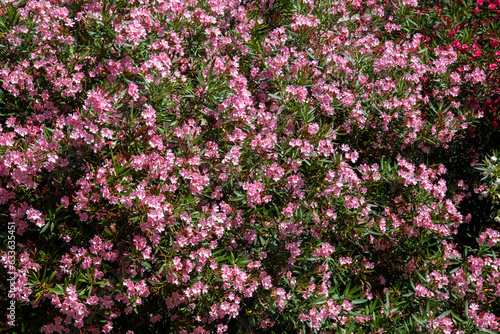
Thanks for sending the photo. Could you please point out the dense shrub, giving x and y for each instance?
(250, 166)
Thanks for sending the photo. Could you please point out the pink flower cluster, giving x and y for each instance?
(248, 164)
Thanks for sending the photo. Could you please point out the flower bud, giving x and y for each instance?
(497, 219)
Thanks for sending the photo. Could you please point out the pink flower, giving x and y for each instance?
(108, 327)
(410, 3)
(421, 291)
(149, 115)
(233, 156)
(294, 249)
(36, 216)
(491, 235)
(324, 251)
(132, 91)
(221, 328)
(312, 128)
(135, 32)
(275, 172)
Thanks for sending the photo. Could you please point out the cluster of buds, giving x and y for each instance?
(490, 169)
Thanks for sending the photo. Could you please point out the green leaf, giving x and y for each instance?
(47, 225)
(387, 301)
(275, 96)
(487, 331)
(359, 301)
(320, 300)
(444, 314)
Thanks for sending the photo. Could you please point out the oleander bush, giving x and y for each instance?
(238, 166)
